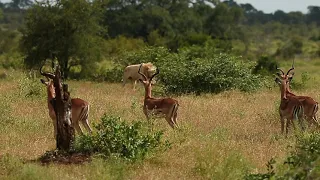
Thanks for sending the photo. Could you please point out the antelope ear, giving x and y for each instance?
(43, 82)
(142, 81)
(278, 81)
(279, 74)
(290, 78)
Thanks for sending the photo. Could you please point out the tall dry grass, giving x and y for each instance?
(222, 136)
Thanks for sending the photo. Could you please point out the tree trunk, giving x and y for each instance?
(62, 107)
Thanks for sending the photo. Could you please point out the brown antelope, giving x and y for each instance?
(310, 106)
(79, 107)
(290, 107)
(160, 107)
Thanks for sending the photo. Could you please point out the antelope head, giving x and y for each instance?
(145, 81)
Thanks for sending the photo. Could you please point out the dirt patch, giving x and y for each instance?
(60, 157)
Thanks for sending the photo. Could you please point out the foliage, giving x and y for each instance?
(64, 30)
(263, 176)
(211, 74)
(30, 86)
(115, 137)
(266, 66)
(290, 48)
(302, 163)
(8, 41)
(305, 77)
(11, 60)
(211, 166)
(197, 70)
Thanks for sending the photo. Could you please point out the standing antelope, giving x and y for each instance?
(79, 107)
(310, 106)
(290, 107)
(161, 107)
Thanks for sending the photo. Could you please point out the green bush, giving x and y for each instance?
(305, 78)
(302, 163)
(266, 66)
(115, 137)
(31, 86)
(11, 60)
(210, 74)
(290, 48)
(195, 69)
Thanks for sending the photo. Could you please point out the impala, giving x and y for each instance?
(160, 107)
(79, 107)
(290, 107)
(310, 106)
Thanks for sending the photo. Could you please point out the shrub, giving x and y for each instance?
(11, 60)
(302, 163)
(206, 75)
(195, 69)
(115, 137)
(31, 86)
(266, 66)
(289, 49)
(305, 77)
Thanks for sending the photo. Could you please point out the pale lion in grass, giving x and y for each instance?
(131, 73)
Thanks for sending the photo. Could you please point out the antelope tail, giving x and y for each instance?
(84, 113)
(174, 109)
(298, 112)
(315, 109)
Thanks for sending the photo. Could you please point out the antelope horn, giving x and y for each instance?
(280, 70)
(292, 67)
(144, 76)
(47, 75)
(290, 70)
(157, 72)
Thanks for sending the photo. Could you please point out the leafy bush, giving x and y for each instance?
(266, 66)
(31, 87)
(305, 77)
(302, 163)
(210, 74)
(111, 75)
(289, 49)
(115, 137)
(195, 69)
(11, 60)
(263, 176)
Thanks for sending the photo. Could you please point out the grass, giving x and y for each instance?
(222, 136)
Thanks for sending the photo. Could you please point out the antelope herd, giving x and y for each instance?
(292, 107)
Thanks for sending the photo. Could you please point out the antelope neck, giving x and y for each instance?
(50, 93)
(288, 91)
(283, 91)
(148, 91)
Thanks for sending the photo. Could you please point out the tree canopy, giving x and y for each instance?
(65, 30)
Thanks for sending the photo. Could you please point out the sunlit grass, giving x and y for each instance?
(222, 136)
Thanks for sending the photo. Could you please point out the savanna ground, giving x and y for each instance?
(222, 136)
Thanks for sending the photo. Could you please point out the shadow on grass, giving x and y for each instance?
(62, 157)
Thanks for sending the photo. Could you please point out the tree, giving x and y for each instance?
(20, 4)
(313, 14)
(65, 30)
(1, 15)
(223, 21)
(62, 107)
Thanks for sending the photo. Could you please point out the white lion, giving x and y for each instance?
(131, 72)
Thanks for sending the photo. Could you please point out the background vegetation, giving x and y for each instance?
(216, 57)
